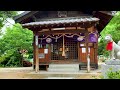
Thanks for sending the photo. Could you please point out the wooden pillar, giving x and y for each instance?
(96, 52)
(78, 50)
(33, 50)
(86, 41)
(36, 52)
(87, 53)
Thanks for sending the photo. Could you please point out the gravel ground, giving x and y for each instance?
(28, 73)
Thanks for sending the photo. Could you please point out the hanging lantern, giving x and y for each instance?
(92, 38)
(48, 40)
(80, 38)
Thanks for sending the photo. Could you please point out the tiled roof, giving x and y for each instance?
(62, 21)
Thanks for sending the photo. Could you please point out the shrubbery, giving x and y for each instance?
(113, 75)
(13, 41)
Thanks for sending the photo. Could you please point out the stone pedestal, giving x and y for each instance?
(114, 64)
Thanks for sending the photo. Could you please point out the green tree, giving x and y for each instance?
(113, 28)
(15, 39)
(4, 15)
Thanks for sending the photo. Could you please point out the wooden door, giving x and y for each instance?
(71, 50)
(44, 54)
(91, 51)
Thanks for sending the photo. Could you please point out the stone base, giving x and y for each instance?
(110, 64)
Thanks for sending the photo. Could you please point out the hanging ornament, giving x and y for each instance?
(80, 38)
(93, 37)
(48, 40)
(56, 38)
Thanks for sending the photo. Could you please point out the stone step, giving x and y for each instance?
(59, 78)
(63, 67)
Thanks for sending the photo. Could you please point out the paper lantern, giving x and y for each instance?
(92, 38)
(80, 38)
(48, 40)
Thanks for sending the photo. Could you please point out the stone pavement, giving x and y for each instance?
(28, 73)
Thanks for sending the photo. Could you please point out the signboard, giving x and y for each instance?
(82, 45)
(45, 51)
(36, 40)
(89, 50)
(83, 50)
(41, 55)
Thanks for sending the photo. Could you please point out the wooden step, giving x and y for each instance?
(85, 67)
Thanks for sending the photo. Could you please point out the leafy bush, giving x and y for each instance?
(113, 75)
(11, 58)
(15, 39)
(30, 56)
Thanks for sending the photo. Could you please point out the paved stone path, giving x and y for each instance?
(28, 73)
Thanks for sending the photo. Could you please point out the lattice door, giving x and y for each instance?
(71, 50)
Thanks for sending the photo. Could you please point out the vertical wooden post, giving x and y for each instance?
(33, 50)
(96, 52)
(78, 50)
(87, 53)
(86, 41)
(36, 52)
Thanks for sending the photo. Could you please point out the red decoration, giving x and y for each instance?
(109, 46)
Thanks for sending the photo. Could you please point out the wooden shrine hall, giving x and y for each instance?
(62, 37)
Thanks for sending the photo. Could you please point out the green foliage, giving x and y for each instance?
(102, 48)
(11, 58)
(112, 28)
(4, 15)
(14, 40)
(113, 75)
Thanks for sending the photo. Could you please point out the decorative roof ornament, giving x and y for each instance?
(113, 12)
(62, 13)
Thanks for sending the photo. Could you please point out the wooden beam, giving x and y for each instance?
(85, 25)
(62, 31)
